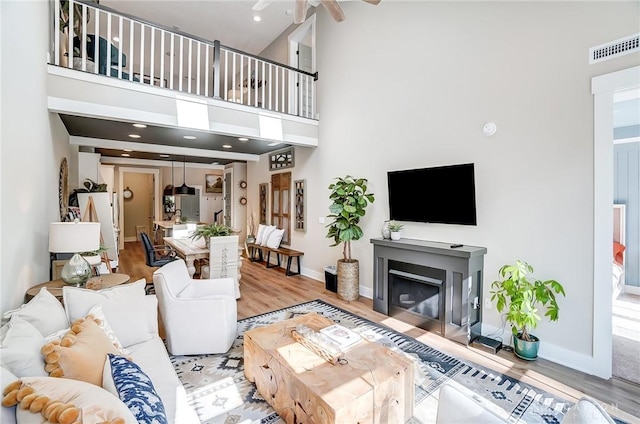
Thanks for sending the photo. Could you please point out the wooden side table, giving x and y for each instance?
(95, 283)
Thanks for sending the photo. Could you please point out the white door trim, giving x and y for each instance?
(603, 88)
(156, 191)
(293, 40)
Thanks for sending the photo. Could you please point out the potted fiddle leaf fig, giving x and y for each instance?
(349, 199)
(520, 295)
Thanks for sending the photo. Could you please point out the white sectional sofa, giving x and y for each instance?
(131, 323)
(459, 405)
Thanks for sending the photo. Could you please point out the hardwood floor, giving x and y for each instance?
(265, 290)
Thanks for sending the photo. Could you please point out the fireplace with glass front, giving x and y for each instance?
(431, 285)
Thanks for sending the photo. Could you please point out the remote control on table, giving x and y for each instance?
(454, 246)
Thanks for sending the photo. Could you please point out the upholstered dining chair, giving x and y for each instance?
(156, 255)
(199, 316)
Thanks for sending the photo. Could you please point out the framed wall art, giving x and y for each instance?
(213, 183)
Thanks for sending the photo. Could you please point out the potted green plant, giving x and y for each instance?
(394, 228)
(211, 230)
(519, 293)
(349, 199)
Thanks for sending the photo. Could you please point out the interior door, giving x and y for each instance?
(305, 63)
(190, 207)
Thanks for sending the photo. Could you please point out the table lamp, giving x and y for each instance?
(74, 237)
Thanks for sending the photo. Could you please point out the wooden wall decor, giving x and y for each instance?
(63, 190)
(300, 206)
(264, 202)
(281, 159)
(281, 204)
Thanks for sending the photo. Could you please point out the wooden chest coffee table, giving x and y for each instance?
(375, 386)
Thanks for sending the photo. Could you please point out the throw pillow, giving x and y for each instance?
(80, 354)
(44, 311)
(123, 307)
(275, 238)
(260, 233)
(267, 234)
(98, 315)
(587, 410)
(20, 343)
(125, 379)
(7, 414)
(55, 400)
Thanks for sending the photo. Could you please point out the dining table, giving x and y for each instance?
(189, 250)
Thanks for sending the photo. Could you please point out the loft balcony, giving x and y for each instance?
(108, 68)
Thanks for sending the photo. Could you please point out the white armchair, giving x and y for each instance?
(199, 316)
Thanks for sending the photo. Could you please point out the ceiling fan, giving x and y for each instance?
(300, 8)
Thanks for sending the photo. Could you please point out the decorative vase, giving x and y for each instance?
(386, 234)
(395, 235)
(76, 271)
(524, 349)
(348, 279)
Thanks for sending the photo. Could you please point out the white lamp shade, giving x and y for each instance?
(74, 237)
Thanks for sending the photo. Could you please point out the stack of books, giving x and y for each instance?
(341, 335)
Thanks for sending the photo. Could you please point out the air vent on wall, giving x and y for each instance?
(615, 48)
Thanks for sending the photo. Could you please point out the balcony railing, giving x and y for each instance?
(104, 41)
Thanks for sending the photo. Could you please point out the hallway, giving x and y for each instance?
(626, 337)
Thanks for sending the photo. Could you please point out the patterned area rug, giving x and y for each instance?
(219, 392)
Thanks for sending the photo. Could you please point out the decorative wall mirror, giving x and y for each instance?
(264, 201)
(280, 204)
(63, 189)
(281, 159)
(300, 207)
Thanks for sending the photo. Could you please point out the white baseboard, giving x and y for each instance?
(632, 290)
(366, 292)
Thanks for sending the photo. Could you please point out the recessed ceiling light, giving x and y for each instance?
(189, 137)
(116, 39)
(227, 146)
(243, 139)
(273, 144)
(164, 156)
(127, 150)
(215, 163)
(257, 18)
(134, 135)
(126, 155)
(140, 125)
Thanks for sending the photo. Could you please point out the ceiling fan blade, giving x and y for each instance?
(334, 9)
(260, 5)
(300, 11)
(373, 2)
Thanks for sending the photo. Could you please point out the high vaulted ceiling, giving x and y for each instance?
(232, 23)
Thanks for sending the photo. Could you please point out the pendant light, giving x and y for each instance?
(184, 189)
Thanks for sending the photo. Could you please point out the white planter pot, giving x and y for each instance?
(395, 235)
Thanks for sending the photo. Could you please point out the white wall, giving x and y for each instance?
(411, 84)
(33, 144)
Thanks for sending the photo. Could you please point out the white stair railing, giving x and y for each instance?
(106, 42)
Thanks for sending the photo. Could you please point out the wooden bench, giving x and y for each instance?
(257, 249)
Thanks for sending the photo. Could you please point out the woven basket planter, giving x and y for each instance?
(348, 280)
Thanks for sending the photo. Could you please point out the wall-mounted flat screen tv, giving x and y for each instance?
(443, 194)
